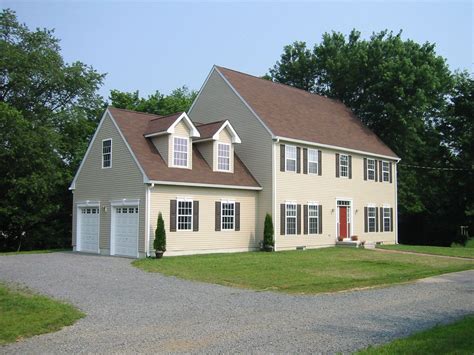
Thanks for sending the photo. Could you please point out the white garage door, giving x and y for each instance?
(88, 233)
(126, 231)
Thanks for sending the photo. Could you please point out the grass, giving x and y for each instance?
(454, 338)
(42, 251)
(24, 314)
(309, 272)
(456, 250)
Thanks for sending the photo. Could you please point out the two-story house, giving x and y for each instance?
(247, 147)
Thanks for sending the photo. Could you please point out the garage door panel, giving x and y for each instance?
(89, 229)
(126, 231)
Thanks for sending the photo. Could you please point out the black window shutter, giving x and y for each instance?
(298, 219)
(305, 221)
(376, 170)
(282, 157)
(365, 168)
(320, 161)
(366, 224)
(195, 216)
(282, 219)
(376, 220)
(305, 160)
(391, 219)
(390, 171)
(218, 216)
(298, 160)
(380, 171)
(350, 166)
(381, 220)
(320, 218)
(172, 215)
(237, 216)
(337, 164)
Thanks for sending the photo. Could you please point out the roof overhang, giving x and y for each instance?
(194, 184)
(233, 133)
(194, 133)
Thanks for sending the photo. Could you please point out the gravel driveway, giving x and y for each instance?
(130, 311)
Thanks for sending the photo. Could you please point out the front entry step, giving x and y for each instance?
(355, 244)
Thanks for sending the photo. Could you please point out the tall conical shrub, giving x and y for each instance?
(160, 234)
(268, 232)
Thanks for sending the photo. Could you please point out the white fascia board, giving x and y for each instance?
(335, 147)
(194, 131)
(156, 134)
(244, 102)
(125, 202)
(73, 184)
(235, 136)
(193, 184)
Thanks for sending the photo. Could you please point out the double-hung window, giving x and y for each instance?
(386, 219)
(371, 219)
(385, 171)
(107, 153)
(291, 216)
(223, 157)
(180, 151)
(185, 215)
(290, 157)
(227, 215)
(344, 165)
(312, 161)
(371, 169)
(313, 219)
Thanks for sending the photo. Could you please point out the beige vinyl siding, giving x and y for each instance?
(162, 145)
(302, 188)
(216, 102)
(224, 137)
(180, 130)
(122, 180)
(206, 239)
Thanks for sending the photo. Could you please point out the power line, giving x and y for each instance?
(435, 168)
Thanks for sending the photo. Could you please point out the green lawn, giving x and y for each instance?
(310, 271)
(454, 338)
(460, 251)
(42, 251)
(24, 314)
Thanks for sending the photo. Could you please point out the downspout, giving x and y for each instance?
(147, 218)
(274, 204)
(396, 202)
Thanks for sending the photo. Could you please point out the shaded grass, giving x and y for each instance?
(458, 251)
(310, 271)
(24, 314)
(42, 251)
(454, 338)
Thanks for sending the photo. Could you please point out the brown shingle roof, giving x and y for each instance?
(134, 124)
(161, 123)
(207, 130)
(293, 113)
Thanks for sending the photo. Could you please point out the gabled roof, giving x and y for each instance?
(165, 124)
(292, 113)
(133, 125)
(211, 130)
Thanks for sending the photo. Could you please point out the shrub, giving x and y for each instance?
(268, 232)
(160, 234)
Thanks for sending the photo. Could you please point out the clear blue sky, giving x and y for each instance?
(163, 45)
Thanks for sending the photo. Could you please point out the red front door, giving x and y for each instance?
(342, 222)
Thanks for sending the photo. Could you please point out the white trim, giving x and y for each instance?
(230, 157)
(371, 205)
(351, 204)
(188, 152)
(287, 203)
(194, 131)
(312, 161)
(178, 200)
(156, 134)
(295, 159)
(232, 202)
(113, 206)
(335, 147)
(388, 171)
(243, 101)
(346, 166)
(102, 148)
(80, 205)
(318, 218)
(274, 188)
(235, 136)
(217, 186)
(125, 202)
(395, 215)
(147, 235)
(374, 169)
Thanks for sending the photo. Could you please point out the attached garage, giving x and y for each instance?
(124, 236)
(88, 229)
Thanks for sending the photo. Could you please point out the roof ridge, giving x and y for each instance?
(139, 112)
(281, 84)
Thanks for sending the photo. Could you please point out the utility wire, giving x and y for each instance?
(434, 168)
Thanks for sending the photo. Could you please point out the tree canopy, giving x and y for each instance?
(407, 95)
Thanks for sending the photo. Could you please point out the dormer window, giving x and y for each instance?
(107, 153)
(223, 156)
(180, 152)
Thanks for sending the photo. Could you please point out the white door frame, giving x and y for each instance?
(121, 203)
(351, 215)
(80, 205)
